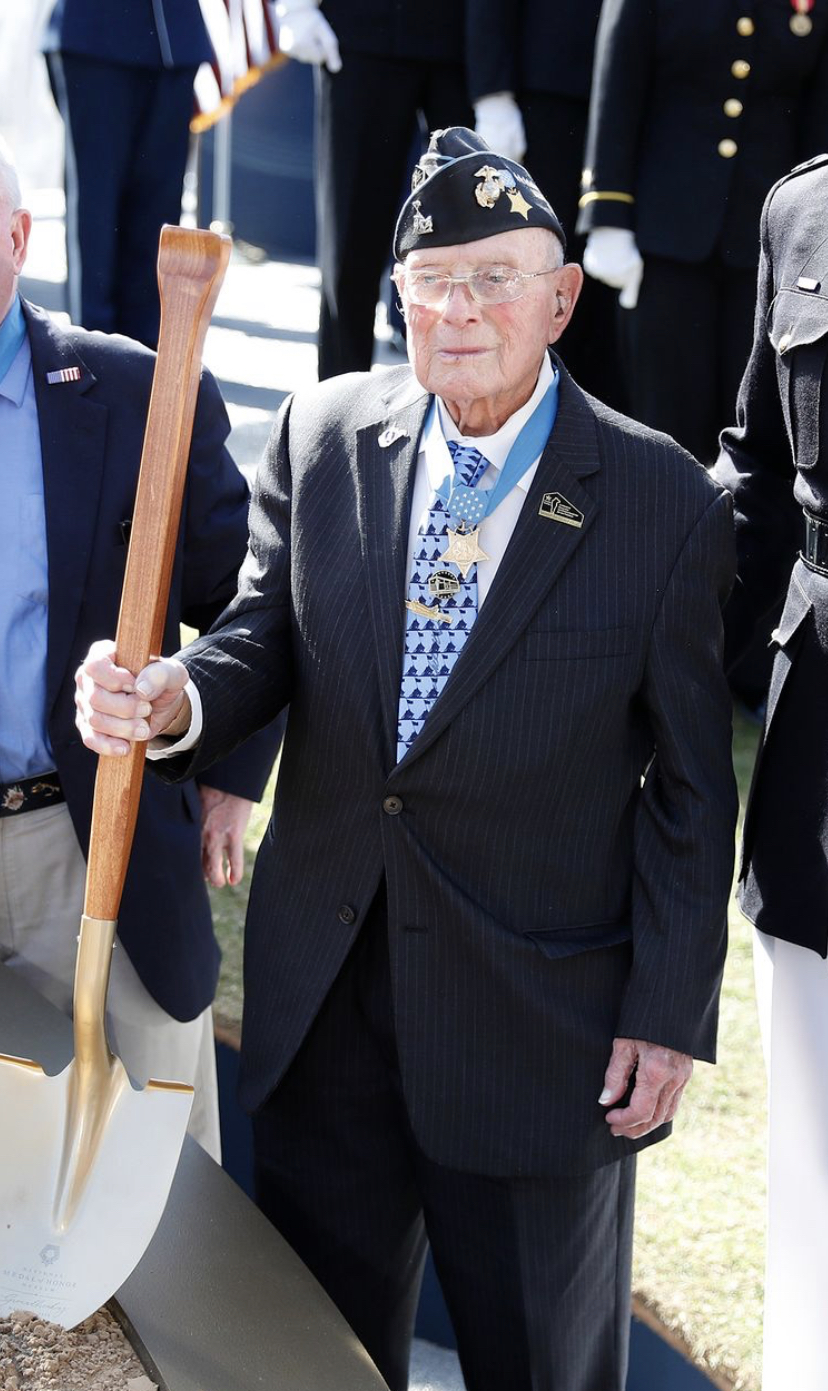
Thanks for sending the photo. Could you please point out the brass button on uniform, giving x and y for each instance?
(733, 107)
(784, 342)
(745, 26)
(346, 914)
(740, 69)
(392, 805)
(727, 148)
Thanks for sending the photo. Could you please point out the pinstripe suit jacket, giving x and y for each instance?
(557, 845)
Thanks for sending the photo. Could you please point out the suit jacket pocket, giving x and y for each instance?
(558, 942)
(575, 644)
(798, 331)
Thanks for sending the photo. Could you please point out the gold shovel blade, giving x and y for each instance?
(63, 1261)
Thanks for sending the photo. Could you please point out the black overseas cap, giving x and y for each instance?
(462, 191)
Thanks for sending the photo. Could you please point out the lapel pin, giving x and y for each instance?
(806, 283)
(64, 374)
(391, 435)
(556, 507)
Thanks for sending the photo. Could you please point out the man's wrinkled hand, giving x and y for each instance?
(224, 819)
(115, 708)
(661, 1074)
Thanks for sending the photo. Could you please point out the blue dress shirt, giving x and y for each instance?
(24, 578)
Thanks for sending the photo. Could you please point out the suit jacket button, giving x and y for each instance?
(745, 26)
(392, 805)
(346, 914)
(740, 69)
(728, 148)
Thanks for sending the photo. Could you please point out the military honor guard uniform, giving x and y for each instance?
(402, 73)
(542, 55)
(122, 77)
(775, 462)
(696, 109)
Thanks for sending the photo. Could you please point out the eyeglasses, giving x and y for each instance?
(488, 285)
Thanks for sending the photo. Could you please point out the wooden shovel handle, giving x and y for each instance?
(191, 266)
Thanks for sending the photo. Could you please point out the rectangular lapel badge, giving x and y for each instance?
(65, 374)
(557, 509)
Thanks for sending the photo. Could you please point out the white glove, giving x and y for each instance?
(611, 255)
(498, 121)
(305, 34)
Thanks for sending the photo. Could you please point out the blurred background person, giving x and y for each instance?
(384, 74)
(695, 111)
(530, 66)
(123, 83)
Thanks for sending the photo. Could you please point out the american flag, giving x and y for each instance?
(244, 38)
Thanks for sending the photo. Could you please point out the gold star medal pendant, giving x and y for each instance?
(468, 508)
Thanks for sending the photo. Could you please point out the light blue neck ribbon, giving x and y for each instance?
(12, 333)
(471, 505)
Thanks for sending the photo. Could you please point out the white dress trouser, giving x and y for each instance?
(42, 879)
(792, 996)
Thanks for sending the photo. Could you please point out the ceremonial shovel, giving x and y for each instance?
(86, 1160)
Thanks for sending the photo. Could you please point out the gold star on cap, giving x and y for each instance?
(464, 550)
(519, 203)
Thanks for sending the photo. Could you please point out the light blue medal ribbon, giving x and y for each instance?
(472, 505)
(12, 333)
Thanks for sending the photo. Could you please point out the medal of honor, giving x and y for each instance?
(464, 550)
(800, 21)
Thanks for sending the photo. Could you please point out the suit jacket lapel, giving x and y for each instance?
(539, 549)
(72, 443)
(386, 457)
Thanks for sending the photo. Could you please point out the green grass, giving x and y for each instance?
(700, 1215)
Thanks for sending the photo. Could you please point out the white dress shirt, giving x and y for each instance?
(433, 466)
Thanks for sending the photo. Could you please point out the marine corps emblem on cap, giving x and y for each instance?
(495, 182)
(457, 196)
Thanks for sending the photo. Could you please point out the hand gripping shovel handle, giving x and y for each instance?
(191, 266)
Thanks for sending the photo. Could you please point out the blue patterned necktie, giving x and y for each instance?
(432, 646)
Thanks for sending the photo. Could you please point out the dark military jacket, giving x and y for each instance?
(696, 110)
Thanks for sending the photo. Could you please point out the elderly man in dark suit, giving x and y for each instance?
(775, 462)
(486, 929)
(73, 407)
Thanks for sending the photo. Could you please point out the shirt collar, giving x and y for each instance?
(440, 427)
(13, 329)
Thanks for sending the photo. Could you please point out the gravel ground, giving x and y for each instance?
(95, 1356)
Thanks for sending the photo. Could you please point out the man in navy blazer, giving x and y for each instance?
(487, 924)
(73, 408)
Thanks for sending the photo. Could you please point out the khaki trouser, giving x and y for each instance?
(42, 879)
